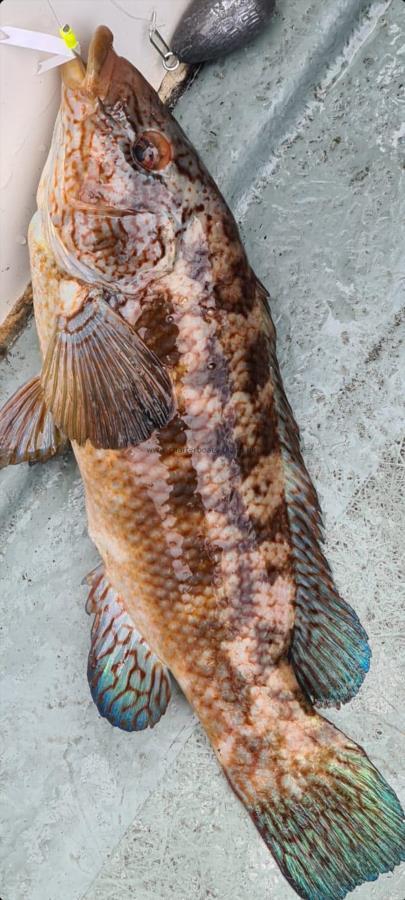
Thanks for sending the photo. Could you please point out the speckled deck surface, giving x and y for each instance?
(303, 132)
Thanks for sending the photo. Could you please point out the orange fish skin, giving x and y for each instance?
(195, 526)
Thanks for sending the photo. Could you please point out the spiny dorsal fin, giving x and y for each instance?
(101, 381)
(128, 683)
(27, 429)
(329, 649)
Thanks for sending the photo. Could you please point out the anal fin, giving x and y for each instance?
(129, 684)
(27, 429)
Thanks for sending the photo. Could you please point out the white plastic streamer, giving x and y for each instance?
(37, 40)
(53, 61)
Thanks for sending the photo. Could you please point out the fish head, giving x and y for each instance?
(119, 176)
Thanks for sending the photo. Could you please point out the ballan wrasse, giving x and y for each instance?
(160, 367)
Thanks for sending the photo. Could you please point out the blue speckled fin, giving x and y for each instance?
(128, 683)
(329, 650)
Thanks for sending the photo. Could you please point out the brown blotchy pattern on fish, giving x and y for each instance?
(195, 524)
(228, 516)
(246, 574)
(197, 559)
(213, 550)
(251, 413)
(155, 325)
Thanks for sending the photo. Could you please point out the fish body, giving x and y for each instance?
(160, 365)
(211, 28)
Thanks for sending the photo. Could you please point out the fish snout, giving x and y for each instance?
(100, 61)
(95, 77)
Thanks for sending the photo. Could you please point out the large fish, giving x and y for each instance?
(160, 366)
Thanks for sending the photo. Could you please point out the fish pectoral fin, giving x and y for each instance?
(27, 428)
(129, 684)
(102, 382)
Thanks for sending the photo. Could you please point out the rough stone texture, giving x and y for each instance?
(303, 130)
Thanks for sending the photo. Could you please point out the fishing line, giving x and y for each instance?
(54, 14)
(126, 13)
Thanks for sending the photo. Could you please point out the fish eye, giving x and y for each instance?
(152, 151)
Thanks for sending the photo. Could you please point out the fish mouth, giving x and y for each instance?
(96, 76)
(98, 57)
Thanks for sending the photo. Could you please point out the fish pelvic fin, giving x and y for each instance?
(101, 381)
(327, 815)
(27, 429)
(329, 648)
(128, 683)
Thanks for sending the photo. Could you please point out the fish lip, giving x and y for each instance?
(73, 73)
(98, 74)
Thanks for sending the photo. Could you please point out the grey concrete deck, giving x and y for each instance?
(303, 131)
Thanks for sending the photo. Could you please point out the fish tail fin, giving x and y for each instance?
(327, 815)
